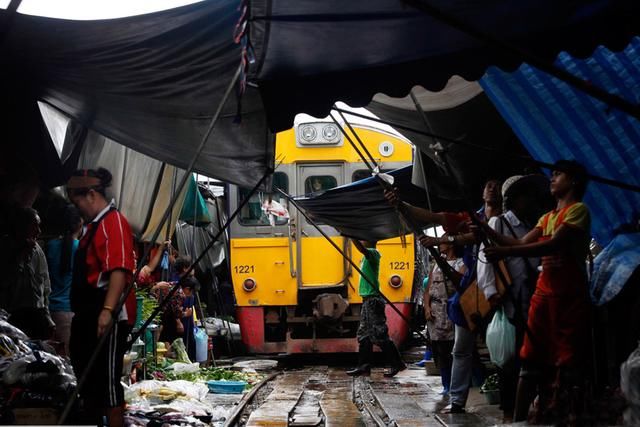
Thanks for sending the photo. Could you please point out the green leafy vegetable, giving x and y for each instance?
(180, 350)
(490, 384)
(149, 303)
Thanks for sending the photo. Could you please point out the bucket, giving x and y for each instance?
(148, 340)
(226, 387)
(492, 396)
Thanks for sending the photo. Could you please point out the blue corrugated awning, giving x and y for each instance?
(554, 121)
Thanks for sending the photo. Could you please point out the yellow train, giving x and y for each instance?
(294, 292)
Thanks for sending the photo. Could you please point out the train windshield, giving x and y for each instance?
(318, 183)
(252, 213)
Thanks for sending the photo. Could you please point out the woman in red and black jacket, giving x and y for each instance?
(103, 268)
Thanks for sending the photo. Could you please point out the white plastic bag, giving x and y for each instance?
(182, 368)
(202, 342)
(501, 339)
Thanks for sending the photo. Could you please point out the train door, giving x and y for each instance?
(319, 264)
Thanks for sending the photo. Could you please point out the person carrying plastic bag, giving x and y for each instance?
(523, 200)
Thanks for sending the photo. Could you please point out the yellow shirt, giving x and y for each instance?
(577, 215)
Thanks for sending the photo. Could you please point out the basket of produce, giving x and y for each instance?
(226, 387)
(491, 390)
(188, 373)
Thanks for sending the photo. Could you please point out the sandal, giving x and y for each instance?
(453, 409)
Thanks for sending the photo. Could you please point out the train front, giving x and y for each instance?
(294, 292)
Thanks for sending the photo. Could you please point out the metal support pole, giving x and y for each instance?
(430, 129)
(447, 270)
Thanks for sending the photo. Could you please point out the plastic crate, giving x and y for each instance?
(226, 387)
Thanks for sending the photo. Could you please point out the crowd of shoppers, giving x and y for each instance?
(545, 297)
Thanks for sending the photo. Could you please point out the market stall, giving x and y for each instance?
(35, 381)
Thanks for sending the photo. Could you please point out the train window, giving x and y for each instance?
(317, 183)
(364, 173)
(252, 213)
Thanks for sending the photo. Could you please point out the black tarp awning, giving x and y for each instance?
(150, 82)
(312, 53)
(359, 210)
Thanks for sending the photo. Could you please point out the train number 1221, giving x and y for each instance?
(399, 265)
(244, 269)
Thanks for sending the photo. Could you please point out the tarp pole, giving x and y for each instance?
(426, 188)
(229, 338)
(544, 165)
(362, 144)
(124, 173)
(83, 379)
(447, 270)
(357, 150)
(350, 261)
(430, 129)
(193, 251)
(532, 59)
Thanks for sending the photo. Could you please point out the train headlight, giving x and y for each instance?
(330, 132)
(249, 285)
(395, 281)
(308, 133)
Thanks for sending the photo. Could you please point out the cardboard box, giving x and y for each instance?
(36, 416)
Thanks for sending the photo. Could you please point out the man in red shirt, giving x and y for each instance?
(103, 267)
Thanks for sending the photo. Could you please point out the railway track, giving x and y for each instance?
(325, 396)
(317, 396)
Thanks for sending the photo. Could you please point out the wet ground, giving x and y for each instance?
(315, 394)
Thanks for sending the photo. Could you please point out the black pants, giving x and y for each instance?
(442, 353)
(509, 374)
(389, 350)
(103, 388)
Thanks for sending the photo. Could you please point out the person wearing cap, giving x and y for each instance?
(522, 197)
(103, 268)
(555, 348)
